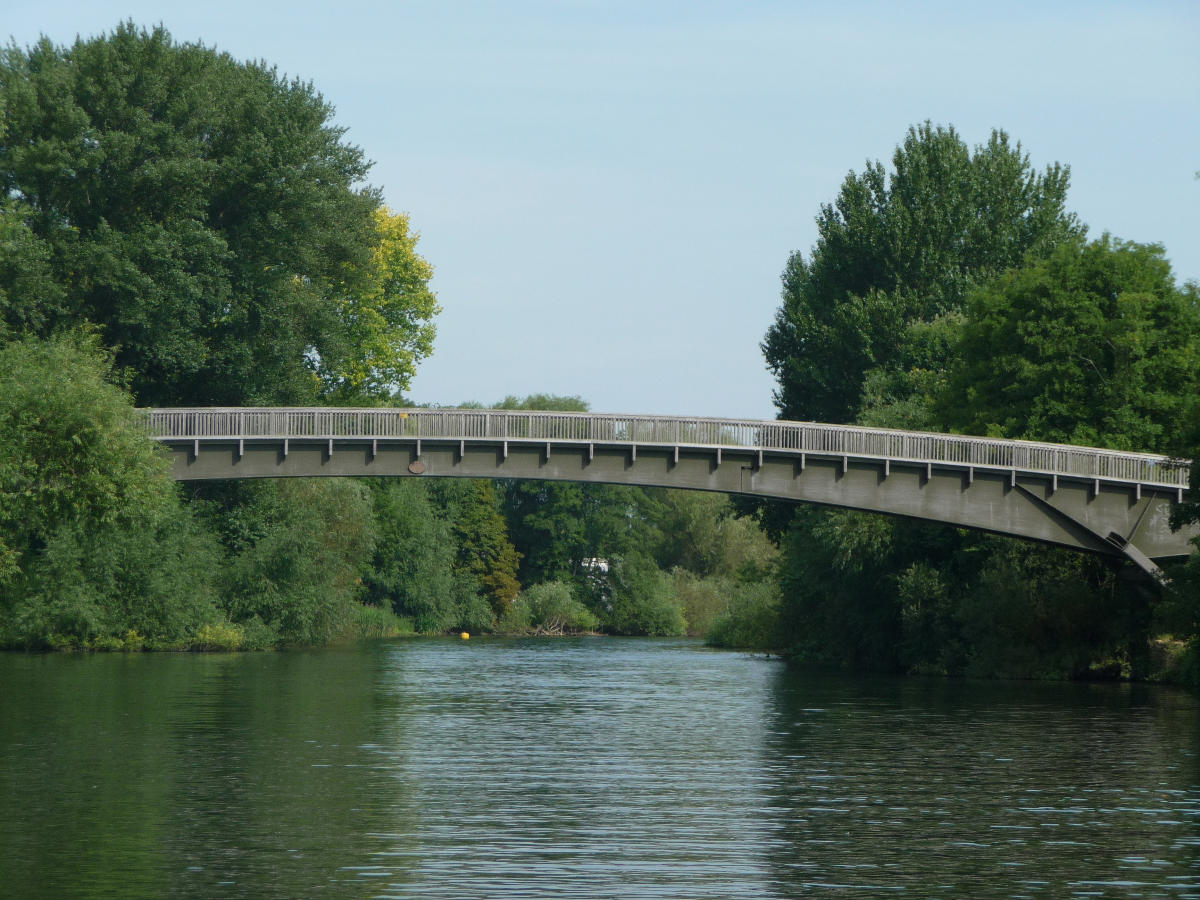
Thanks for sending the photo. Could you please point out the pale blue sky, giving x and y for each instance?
(609, 190)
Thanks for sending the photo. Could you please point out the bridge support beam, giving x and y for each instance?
(1128, 521)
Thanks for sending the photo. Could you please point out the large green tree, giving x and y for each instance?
(865, 334)
(208, 215)
(1094, 345)
(904, 246)
(415, 569)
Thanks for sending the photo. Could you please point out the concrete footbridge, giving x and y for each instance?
(1102, 501)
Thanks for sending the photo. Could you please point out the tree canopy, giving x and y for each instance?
(209, 216)
(900, 247)
(956, 292)
(1094, 345)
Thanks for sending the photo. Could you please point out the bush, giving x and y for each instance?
(517, 619)
(94, 539)
(219, 636)
(702, 599)
(643, 600)
(304, 545)
(750, 620)
(549, 608)
(413, 570)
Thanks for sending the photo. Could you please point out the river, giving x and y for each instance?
(582, 768)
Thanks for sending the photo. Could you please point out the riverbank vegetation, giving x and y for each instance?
(178, 227)
(955, 292)
(182, 228)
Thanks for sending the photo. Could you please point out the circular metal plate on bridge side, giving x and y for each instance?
(416, 467)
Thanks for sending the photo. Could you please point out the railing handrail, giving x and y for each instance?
(236, 423)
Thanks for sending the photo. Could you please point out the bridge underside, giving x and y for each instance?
(1111, 518)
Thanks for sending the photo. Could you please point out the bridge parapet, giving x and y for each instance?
(323, 423)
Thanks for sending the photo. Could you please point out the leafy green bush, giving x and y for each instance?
(750, 620)
(702, 599)
(414, 566)
(218, 636)
(549, 608)
(94, 539)
(517, 619)
(643, 600)
(304, 544)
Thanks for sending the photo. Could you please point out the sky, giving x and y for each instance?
(608, 190)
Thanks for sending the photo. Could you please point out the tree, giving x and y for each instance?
(1094, 345)
(414, 569)
(301, 549)
(209, 217)
(556, 525)
(94, 541)
(902, 247)
(865, 333)
(484, 551)
(643, 600)
(389, 318)
(549, 608)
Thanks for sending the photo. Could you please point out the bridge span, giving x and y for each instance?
(1101, 501)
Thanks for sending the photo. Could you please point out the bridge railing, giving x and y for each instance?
(797, 437)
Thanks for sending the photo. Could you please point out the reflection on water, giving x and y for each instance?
(581, 768)
(948, 789)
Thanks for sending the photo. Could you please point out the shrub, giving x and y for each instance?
(750, 620)
(552, 609)
(644, 601)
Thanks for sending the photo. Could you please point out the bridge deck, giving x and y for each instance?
(792, 438)
(1101, 501)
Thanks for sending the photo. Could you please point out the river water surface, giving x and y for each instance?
(598, 768)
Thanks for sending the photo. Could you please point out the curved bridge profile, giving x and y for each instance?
(1102, 501)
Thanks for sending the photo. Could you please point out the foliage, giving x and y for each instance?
(389, 318)
(834, 575)
(208, 216)
(485, 555)
(93, 539)
(1094, 345)
(701, 532)
(412, 572)
(545, 403)
(957, 292)
(900, 247)
(904, 395)
(1037, 612)
(643, 600)
(702, 598)
(549, 608)
(368, 621)
(303, 546)
(219, 636)
(750, 619)
(29, 295)
(558, 526)
(210, 221)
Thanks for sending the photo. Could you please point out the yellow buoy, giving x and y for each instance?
(466, 636)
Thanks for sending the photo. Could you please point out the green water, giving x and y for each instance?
(597, 768)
